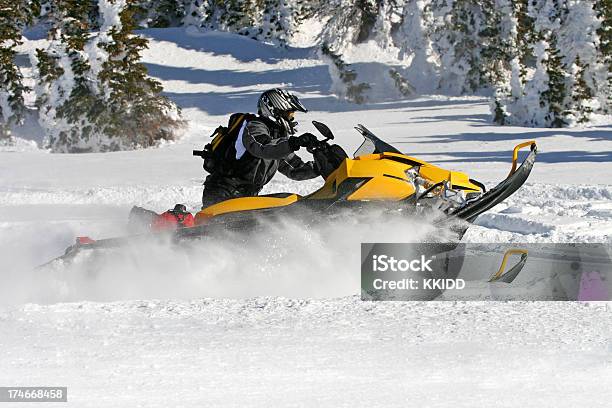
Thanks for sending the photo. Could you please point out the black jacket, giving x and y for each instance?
(267, 150)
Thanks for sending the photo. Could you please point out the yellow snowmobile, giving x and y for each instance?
(377, 174)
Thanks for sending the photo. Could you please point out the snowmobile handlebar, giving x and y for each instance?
(327, 136)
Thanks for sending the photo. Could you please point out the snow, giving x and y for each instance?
(276, 322)
(299, 353)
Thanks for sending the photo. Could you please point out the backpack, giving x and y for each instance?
(220, 153)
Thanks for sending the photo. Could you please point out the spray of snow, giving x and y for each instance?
(258, 264)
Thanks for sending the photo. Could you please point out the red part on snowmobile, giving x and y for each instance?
(172, 220)
(84, 240)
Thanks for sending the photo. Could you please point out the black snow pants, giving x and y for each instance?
(216, 191)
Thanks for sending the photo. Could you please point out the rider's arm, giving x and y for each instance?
(294, 168)
(257, 141)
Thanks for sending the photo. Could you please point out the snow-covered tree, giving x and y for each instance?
(604, 12)
(160, 13)
(64, 94)
(388, 21)
(579, 41)
(238, 16)
(501, 57)
(278, 22)
(135, 113)
(555, 95)
(13, 16)
(500, 43)
(404, 87)
(582, 99)
(561, 80)
(350, 22)
(94, 93)
(414, 41)
(344, 83)
(461, 68)
(198, 12)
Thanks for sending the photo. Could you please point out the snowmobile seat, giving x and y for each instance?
(245, 204)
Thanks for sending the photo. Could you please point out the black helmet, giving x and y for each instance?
(276, 104)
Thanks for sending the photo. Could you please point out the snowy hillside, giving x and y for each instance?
(294, 333)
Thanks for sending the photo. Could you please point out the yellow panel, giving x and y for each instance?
(377, 165)
(434, 174)
(243, 204)
(383, 188)
(360, 168)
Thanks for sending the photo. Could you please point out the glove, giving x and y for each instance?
(305, 140)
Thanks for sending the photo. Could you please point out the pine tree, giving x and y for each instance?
(160, 13)
(556, 93)
(351, 22)
(539, 93)
(64, 94)
(500, 42)
(578, 41)
(500, 55)
(415, 42)
(198, 13)
(582, 95)
(134, 113)
(404, 87)
(388, 21)
(13, 16)
(93, 92)
(278, 22)
(344, 78)
(526, 36)
(239, 16)
(604, 12)
(461, 67)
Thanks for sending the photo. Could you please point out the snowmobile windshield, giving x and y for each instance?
(372, 144)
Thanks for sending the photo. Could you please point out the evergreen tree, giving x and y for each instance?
(64, 94)
(134, 113)
(160, 13)
(239, 16)
(278, 22)
(461, 66)
(526, 36)
(404, 87)
(388, 21)
(554, 97)
(198, 13)
(500, 43)
(350, 21)
(604, 12)
(344, 78)
(582, 94)
(415, 42)
(579, 41)
(501, 55)
(13, 16)
(93, 92)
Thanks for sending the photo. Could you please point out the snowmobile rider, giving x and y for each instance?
(264, 144)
